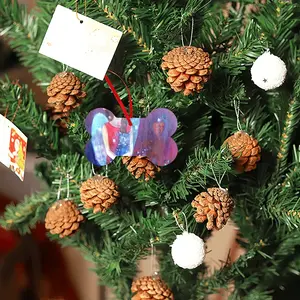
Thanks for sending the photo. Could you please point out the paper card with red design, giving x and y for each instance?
(80, 42)
(13, 147)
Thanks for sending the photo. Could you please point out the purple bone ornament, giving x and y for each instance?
(112, 136)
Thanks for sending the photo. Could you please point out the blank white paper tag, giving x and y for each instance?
(88, 46)
(13, 147)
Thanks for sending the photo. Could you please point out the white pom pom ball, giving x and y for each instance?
(268, 71)
(188, 251)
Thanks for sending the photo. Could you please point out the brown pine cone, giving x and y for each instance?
(99, 193)
(139, 165)
(65, 93)
(189, 68)
(150, 288)
(215, 206)
(63, 218)
(245, 151)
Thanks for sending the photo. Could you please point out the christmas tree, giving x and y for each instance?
(237, 138)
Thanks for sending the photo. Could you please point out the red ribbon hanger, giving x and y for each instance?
(127, 115)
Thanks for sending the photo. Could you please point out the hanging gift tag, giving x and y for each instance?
(80, 42)
(112, 136)
(13, 147)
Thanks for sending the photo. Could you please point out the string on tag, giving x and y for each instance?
(192, 32)
(15, 113)
(127, 115)
(183, 227)
(237, 110)
(16, 82)
(6, 111)
(85, 4)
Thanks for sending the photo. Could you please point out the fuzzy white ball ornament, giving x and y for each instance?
(188, 250)
(268, 71)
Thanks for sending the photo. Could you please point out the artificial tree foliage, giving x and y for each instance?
(267, 206)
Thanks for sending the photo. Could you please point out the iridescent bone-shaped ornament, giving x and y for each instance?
(112, 136)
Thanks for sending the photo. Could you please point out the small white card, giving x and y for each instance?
(84, 44)
(13, 147)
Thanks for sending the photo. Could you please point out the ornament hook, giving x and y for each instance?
(237, 111)
(153, 273)
(218, 182)
(192, 32)
(184, 227)
(68, 186)
(59, 188)
(93, 170)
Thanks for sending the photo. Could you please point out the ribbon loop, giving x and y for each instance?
(127, 115)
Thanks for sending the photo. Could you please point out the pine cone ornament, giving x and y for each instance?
(65, 93)
(139, 165)
(150, 288)
(189, 69)
(215, 206)
(63, 218)
(99, 193)
(245, 151)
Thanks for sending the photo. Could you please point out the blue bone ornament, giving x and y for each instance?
(112, 136)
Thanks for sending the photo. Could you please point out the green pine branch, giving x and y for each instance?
(215, 30)
(24, 215)
(222, 278)
(243, 51)
(120, 13)
(21, 109)
(149, 23)
(25, 33)
(278, 20)
(267, 201)
(204, 167)
(291, 123)
(122, 240)
(275, 262)
(284, 205)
